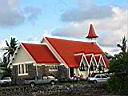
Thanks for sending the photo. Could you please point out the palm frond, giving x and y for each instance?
(13, 43)
(5, 53)
(7, 43)
(4, 48)
(10, 49)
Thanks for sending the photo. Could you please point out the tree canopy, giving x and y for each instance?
(119, 66)
(123, 46)
(9, 50)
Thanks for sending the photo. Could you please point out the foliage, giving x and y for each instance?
(117, 85)
(123, 45)
(9, 50)
(119, 66)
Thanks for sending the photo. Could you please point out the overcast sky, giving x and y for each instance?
(29, 20)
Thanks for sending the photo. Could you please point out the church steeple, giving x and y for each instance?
(91, 33)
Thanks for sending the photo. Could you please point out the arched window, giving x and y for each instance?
(101, 65)
(83, 65)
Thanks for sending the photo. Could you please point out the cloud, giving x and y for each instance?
(9, 14)
(32, 12)
(12, 15)
(111, 50)
(13, 3)
(95, 12)
(3, 45)
(110, 22)
(110, 29)
(71, 30)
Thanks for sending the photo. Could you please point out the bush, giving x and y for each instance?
(118, 85)
(119, 81)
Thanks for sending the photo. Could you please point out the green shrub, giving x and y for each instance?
(118, 85)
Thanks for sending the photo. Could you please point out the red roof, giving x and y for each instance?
(40, 53)
(78, 58)
(106, 61)
(97, 57)
(67, 48)
(91, 33)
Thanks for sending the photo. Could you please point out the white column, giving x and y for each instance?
(37, 74)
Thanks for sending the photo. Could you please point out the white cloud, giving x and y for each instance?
(94, 12)
(13, 3)
(110, 29)
(87, 9)
(114, 28)
(11, 14)
(2, 45)
(111, 50)
(110, 22)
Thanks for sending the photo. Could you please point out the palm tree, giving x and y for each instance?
(123, 46)
(10, 49)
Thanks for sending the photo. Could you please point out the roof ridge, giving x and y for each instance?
(67, 39)
(33, 43)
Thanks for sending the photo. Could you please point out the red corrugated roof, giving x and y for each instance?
(106, 61)
(97, 57)
(40, 53)
(91, 33)
(67, 48)
(78, 58)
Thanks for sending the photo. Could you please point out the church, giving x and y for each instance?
(62, 58)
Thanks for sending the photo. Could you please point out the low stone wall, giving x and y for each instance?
(69, 89)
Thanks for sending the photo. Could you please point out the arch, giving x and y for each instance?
(83, 64)
(101, 64)
(93, 64)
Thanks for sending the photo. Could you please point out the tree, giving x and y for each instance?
(123, 46)
(119, 66)
(119, 81)
(10, 49)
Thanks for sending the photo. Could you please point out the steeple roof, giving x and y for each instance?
(91, 33)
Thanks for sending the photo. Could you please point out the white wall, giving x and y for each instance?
(22, 56)
(78, 73)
